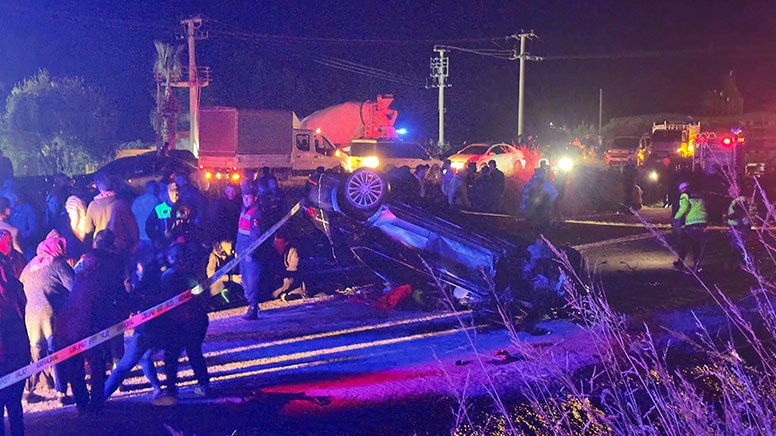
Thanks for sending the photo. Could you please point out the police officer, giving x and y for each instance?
(693, 219)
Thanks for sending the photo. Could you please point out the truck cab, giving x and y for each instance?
(674, 140)
(623, 148)
(313, 150)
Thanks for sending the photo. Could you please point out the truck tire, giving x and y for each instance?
(364, 190)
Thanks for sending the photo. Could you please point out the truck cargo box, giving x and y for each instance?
(227, 132)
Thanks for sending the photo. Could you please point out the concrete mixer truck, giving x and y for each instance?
(365, 132)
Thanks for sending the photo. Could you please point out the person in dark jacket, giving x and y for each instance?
(160, 221)
(290, 280)
(499, 184)
(47, 281)
(190, 321)
(629, 174)
(6, 168)
(14, 352)
(96, 300)
(148, 337)
(16, 258)
(223, 214)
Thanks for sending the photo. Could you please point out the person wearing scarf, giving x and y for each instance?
(47, 279)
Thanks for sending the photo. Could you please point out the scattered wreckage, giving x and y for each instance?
(440, 260)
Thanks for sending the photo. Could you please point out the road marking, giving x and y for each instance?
(340, 332)
(624, 239)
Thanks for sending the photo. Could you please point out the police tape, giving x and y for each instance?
(140, 318)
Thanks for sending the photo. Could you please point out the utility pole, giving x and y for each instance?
(439, 74)
(523, 56)
(192, 32)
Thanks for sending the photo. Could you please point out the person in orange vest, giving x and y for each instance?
(249, 229)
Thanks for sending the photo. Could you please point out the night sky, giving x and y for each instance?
(648, 57)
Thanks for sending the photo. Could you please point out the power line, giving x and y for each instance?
(282, 49)
(232, 31)
(494, 53)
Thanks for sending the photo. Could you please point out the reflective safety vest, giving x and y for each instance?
(244, 225)
(163, 211)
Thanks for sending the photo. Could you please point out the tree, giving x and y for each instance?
(58, 125)
(167, 71)
(728, 101)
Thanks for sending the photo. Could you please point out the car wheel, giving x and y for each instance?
(364, 189)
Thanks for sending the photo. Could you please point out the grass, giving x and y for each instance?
(700, 383)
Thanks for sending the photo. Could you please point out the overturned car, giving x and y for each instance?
(443, 261)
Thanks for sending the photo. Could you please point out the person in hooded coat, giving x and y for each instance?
(14, 352)
(47, 279)
(97, 298)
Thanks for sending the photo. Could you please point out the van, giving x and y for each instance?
(379, 153)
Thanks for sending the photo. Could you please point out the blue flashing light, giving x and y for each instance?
(401, 131)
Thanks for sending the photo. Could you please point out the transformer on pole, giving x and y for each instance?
(192, 32)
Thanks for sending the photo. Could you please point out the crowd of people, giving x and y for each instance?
(106, 256)
(475, 189)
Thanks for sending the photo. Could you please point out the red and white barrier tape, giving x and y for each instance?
(142, 317)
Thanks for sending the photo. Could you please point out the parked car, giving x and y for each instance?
(505, 155)
(136, 171)
(379, 153)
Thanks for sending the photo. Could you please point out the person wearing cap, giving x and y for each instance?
(693, 219)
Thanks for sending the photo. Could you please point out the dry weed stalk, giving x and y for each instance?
(633, 389)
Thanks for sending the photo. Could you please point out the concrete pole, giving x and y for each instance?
(442, 75)
(521, 85)
(192, 24)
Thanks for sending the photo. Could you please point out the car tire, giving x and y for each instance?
(364, 191)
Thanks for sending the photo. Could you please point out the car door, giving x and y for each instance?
(502, 158)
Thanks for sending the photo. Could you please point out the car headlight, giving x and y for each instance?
(565, 164)
(371, 162)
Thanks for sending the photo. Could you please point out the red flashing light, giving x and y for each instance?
(727, 141)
